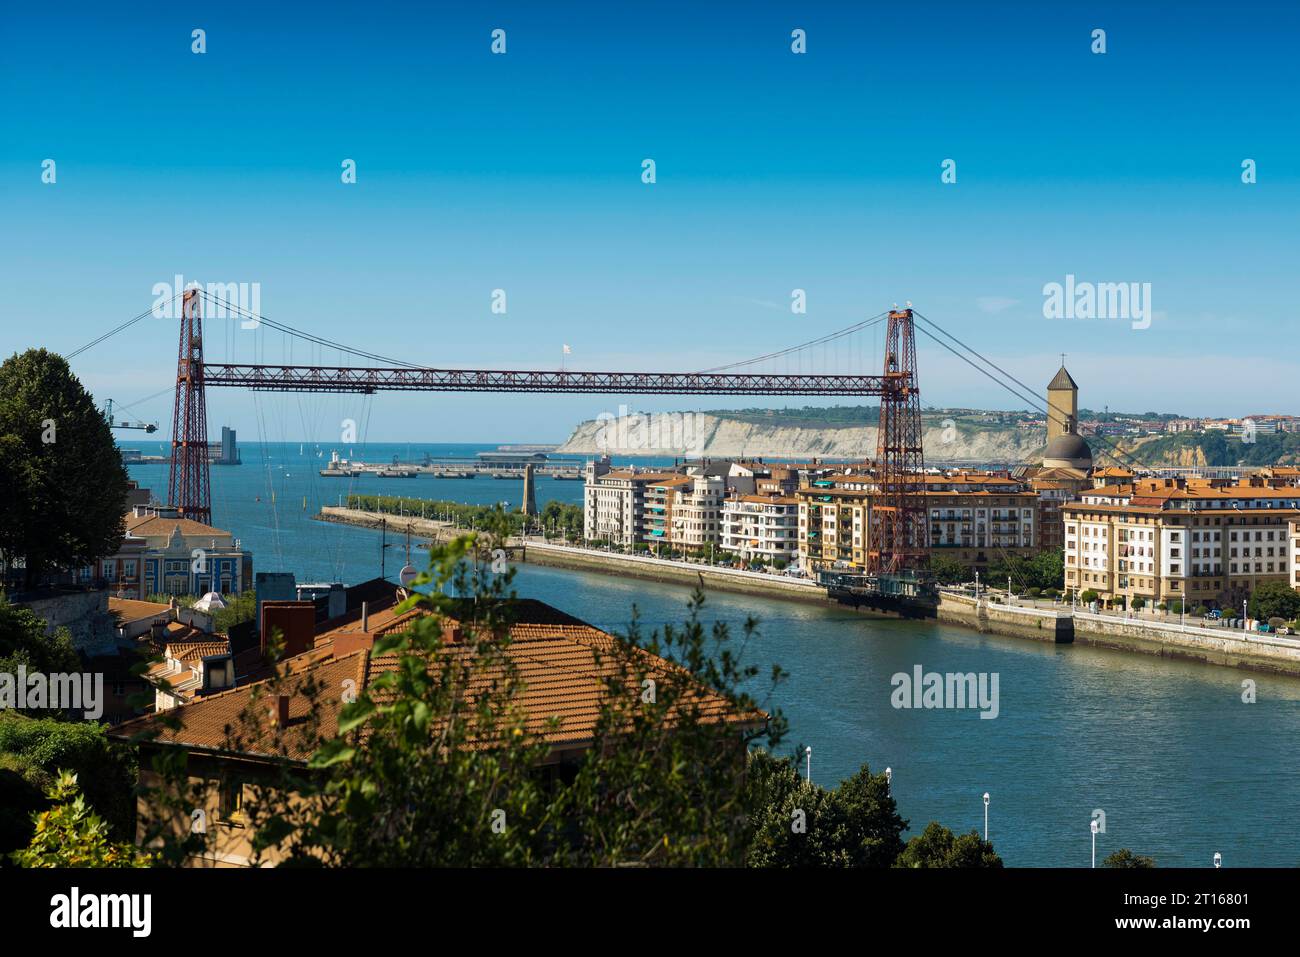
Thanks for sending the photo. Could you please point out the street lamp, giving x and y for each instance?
(808, 754)
(1218, 859)
(986, 815)
(1244, 624)
(1094, 827)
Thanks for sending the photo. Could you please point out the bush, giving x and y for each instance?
(1089, 596)
(34, 750)
(1126, 858)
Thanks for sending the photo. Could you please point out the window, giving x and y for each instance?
(231, 810)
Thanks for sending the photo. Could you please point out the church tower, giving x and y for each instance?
(1062, 405)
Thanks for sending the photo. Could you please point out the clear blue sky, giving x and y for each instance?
(775, 171)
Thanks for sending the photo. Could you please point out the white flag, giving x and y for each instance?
(567, 350)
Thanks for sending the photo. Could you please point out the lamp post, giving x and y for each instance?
(1244, 624)
(986, 815)
(1094, 828)
(808, 755)
(1218, 860)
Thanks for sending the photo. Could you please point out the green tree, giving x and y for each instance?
(55, 448)
(1126, 858)
(947, 570)
(32, 753)
(70, 834)
(797, 824)
(937, 846)
(1274, 599)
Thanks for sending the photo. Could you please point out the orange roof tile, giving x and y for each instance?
(129, 610)
(562, 662)
(142, 525)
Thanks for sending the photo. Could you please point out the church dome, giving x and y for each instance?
(1067, 451)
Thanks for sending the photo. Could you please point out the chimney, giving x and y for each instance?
(451, 632)
(280, 711)
(158, 630)
(365, 616)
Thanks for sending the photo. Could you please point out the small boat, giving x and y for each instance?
(396, 473)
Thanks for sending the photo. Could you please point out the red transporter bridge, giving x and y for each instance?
(898, 532)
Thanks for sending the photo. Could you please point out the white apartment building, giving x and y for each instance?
(627, 506)
(1162, 539)
(696, 515)
(761, 526)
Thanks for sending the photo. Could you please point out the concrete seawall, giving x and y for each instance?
(656, 569)
(1166, 640)
(1015, 622)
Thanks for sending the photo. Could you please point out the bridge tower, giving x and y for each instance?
(899, 538)
(188, 486)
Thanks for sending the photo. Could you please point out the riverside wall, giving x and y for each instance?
(1216, 646)
(658, 569)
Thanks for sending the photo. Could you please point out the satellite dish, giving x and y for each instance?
(407, 575)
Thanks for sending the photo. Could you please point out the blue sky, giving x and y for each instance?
(775, 171)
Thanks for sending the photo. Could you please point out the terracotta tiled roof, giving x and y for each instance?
(561, 661)
(196, 651)
(217, 722)
(129, 610)
(563, 669)
(143, 525)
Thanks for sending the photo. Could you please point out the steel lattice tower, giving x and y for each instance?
(899, 539)
(188, 485)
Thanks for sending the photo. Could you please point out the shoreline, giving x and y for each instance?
(1157, 639)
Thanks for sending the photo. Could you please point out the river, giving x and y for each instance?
(1180, 765)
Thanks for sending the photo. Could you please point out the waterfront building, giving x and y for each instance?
(762, 527)
(696, 512)
(614, 503)
(164, 554)
(1204, 541)
(1293, 553)
(656, 519)
(974, 518)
